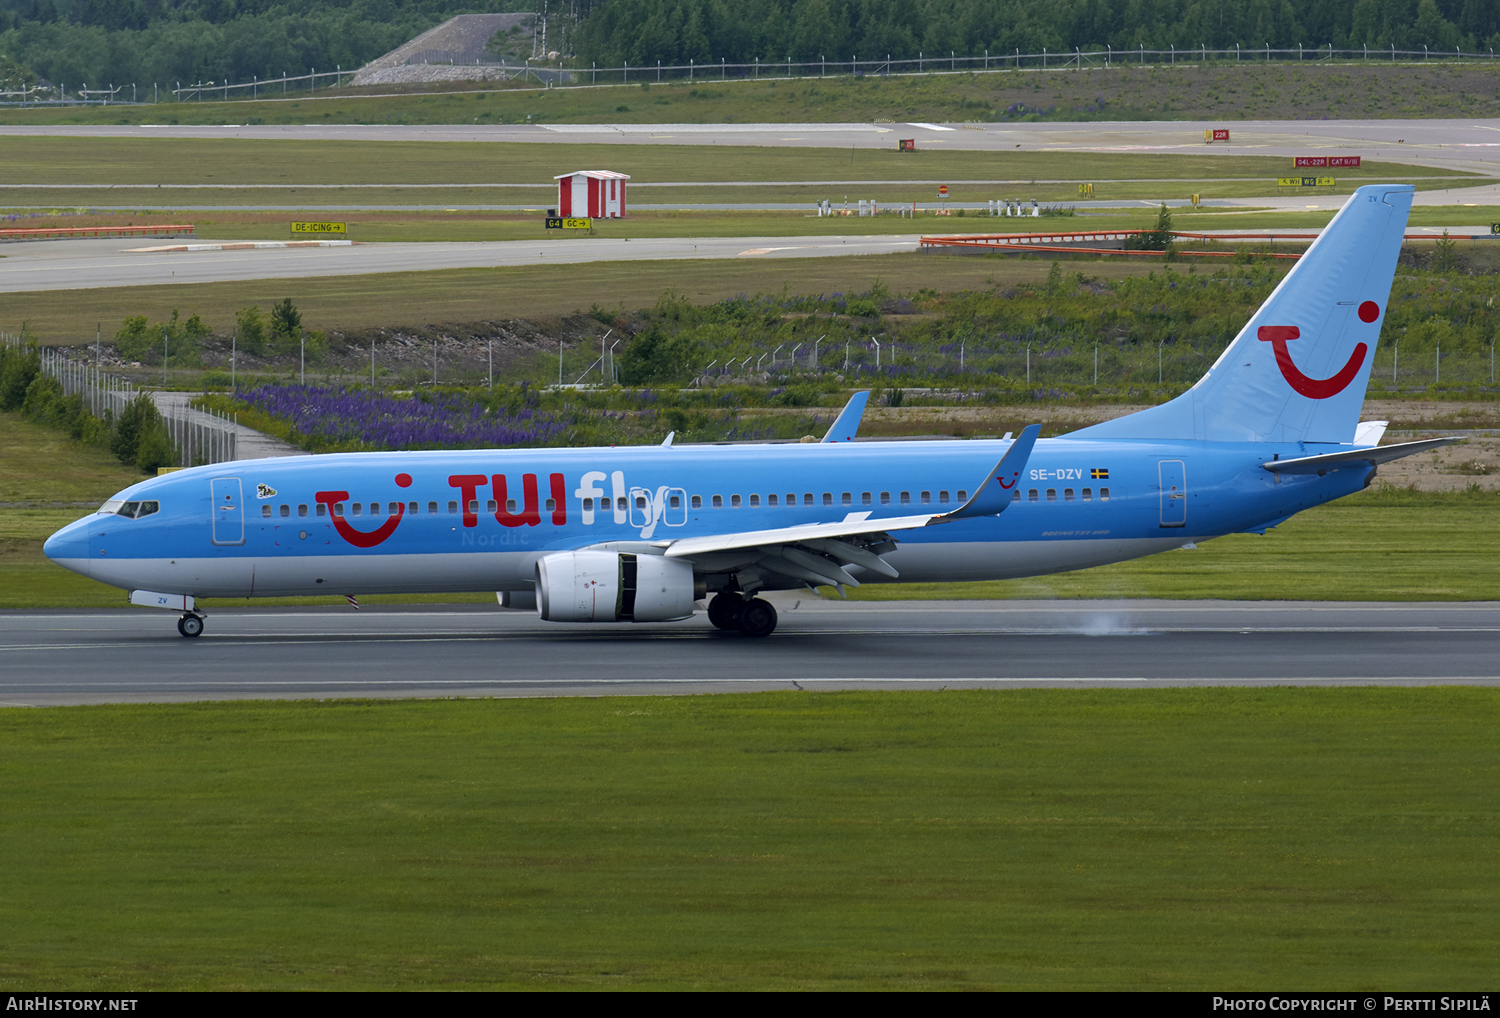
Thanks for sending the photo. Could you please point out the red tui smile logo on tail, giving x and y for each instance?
(1316, 388)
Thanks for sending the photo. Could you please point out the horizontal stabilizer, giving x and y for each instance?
(1372, 456)
(1370, 432)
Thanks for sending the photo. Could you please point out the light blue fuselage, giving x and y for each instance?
(253, 528)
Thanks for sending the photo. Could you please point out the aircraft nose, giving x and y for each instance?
(69, 543)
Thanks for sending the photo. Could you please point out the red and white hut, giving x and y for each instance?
(596, 194)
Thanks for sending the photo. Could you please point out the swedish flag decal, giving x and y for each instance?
(1100, 473)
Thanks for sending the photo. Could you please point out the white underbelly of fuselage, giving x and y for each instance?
(302, 576)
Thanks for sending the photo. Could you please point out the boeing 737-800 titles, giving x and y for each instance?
(643, 533)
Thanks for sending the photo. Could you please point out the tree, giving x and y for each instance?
(250, 327)
(286, 325)
(14, 76)
(1445, 254)
(1158, 238)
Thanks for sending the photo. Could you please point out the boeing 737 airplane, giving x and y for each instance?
(642, 534)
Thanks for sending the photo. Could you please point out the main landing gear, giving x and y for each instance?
(750, 616)
(191, 624)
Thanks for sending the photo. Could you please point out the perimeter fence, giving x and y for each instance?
(198, 436)
(564, 74)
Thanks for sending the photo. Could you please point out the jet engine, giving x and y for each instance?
(609, 586)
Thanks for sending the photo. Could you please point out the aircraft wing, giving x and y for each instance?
(820, 552)
(853, 525)
(1373, 456)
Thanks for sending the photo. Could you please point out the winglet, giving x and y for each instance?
(989, 501)
(847, 424)
(667, 442)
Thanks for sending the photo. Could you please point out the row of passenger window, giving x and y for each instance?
(1087, 495)
(717, 501)
(374, 508)
(845, 498)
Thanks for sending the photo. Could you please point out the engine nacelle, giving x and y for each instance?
(610, 586)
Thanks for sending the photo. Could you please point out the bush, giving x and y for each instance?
(46, 404)
(18, 369)
(654, 357)
(133, 341)
(798, 395)
(137, 341)
(155, 450)
(317, 346)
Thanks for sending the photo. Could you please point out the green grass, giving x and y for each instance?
(1222, 92)
(390, 300)
(231, 162)
(1224, 839)
(1382, 545)
(887, 195)
(40, 464)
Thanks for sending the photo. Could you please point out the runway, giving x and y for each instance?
(55, 658)
(88, 264)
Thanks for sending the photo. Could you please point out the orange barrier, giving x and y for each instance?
(64, 232)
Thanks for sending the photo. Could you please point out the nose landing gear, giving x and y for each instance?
(190, 625)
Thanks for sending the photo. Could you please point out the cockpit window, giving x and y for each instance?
(130, 510)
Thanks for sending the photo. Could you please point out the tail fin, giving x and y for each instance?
(1297, 371)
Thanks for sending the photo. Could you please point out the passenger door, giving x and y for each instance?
(228, 510)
